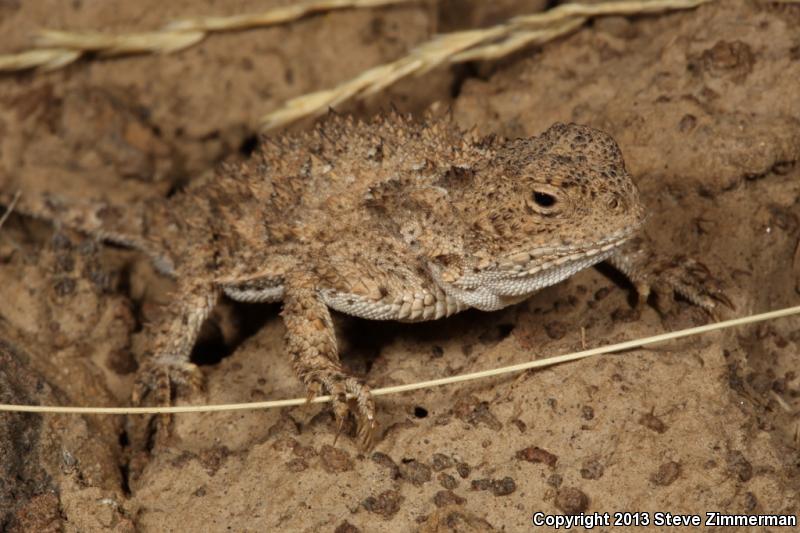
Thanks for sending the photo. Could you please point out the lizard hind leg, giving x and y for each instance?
(173, 341)
(311, 341)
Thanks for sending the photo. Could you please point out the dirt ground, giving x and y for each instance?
(705, 107)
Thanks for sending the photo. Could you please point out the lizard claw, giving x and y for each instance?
(313, 389)
(339, 427)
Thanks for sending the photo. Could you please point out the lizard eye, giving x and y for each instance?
(543, 199)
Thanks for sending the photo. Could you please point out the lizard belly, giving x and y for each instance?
(254, 295)
(407, 307)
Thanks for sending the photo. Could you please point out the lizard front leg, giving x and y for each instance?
(311, 341)
(172, 345)
(682, 275)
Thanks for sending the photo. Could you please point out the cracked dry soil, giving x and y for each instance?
(705, 107)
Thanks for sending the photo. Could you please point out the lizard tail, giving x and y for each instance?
(126, 226)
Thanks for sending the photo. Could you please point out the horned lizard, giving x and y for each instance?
(391, 219)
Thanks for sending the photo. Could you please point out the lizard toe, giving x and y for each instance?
(348, 395)
(156, 378)
(366, 412)
(693, 281)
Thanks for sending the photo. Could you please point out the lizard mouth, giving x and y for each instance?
(526, 264)
(517, 277)
(538, 274)
(554, 259)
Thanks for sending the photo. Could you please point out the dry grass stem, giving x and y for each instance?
(517, 41)
(472, 45)
(625, 346)
(46, 59)
(10, 208)
(781, 402)
(273, 17)
(56, 48)
(113, 45)
(421, 59)
(624, 7)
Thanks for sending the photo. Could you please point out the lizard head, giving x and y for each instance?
(535, 212)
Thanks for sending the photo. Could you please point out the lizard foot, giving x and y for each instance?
(663, 278)
(339, 385)
(692, 280)
(155, 380)
(685, 277)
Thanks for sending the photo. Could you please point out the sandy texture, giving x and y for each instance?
(705, 107)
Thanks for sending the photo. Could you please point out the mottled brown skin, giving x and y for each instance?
(392, 219)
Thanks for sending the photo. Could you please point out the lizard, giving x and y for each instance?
(392, 218)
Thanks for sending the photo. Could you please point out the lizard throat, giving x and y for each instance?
(512, 282)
